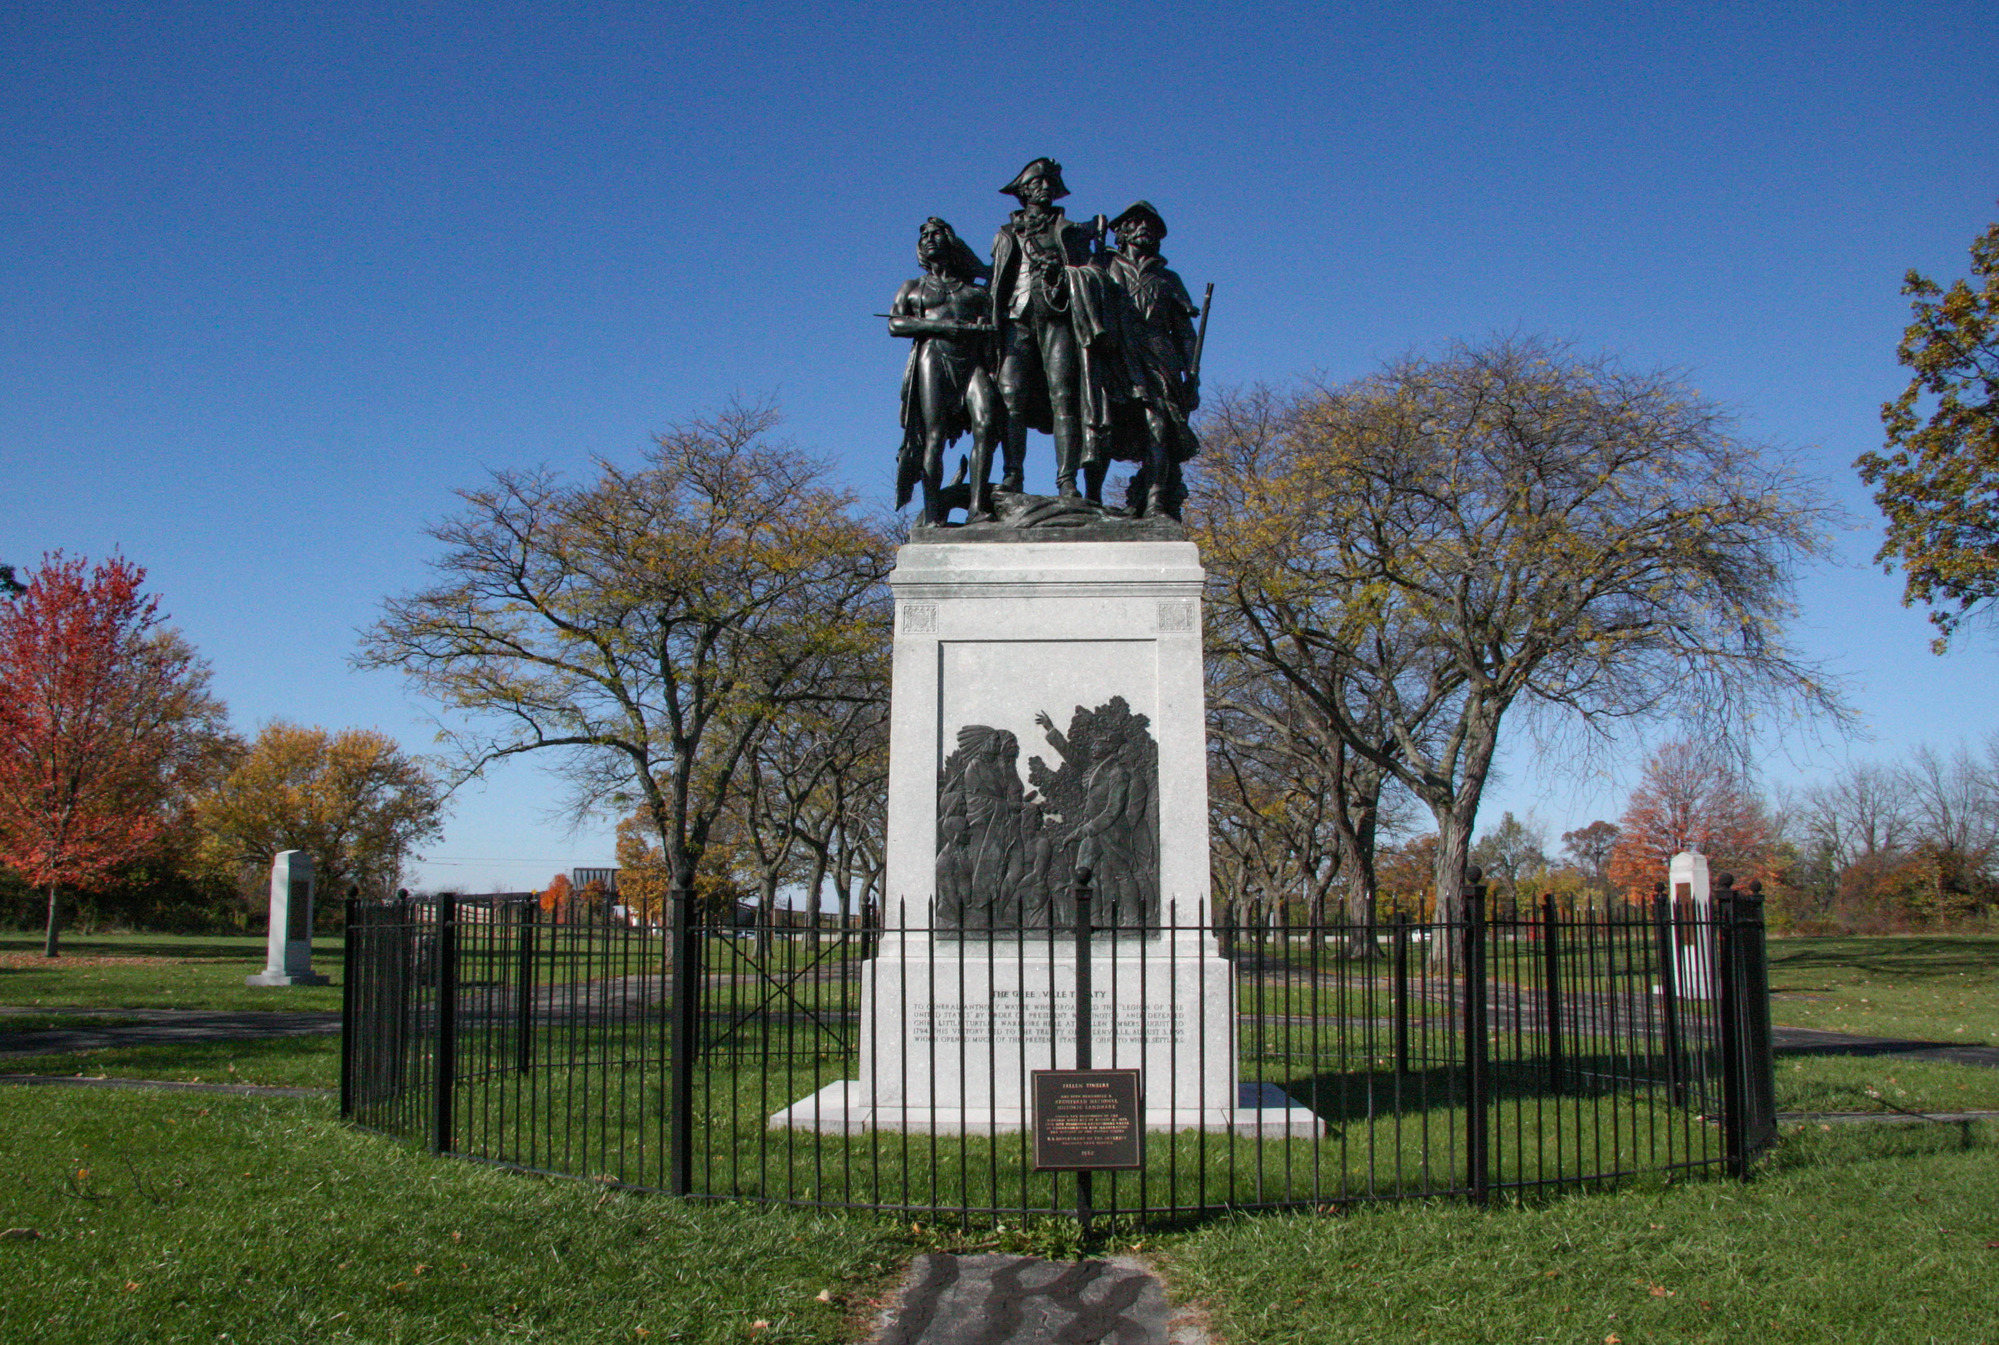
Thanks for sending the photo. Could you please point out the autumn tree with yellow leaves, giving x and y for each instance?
(641, 629)
(1418, 552)
(352, 799)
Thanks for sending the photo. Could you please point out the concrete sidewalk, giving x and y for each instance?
(1811, 1041)
(162, 1085)
(161, 1027)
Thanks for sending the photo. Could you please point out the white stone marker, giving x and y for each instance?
(290, 943)
(1693, 937)
(996, 634)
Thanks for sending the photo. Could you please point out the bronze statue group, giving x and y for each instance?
(1093, 345)
(1005, 854)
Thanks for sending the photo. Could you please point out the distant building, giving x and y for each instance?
(582, 878)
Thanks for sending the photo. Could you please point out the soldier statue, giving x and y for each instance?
(1161, 363)
(1049, 299)
(946, 389)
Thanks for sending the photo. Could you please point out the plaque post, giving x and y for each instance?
(1085, 1179)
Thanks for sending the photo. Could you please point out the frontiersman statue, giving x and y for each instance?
(1158, 339)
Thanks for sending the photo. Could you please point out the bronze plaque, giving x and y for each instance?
(1087, 1119)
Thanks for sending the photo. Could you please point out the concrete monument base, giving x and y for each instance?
(1047, 714)
(287, 978)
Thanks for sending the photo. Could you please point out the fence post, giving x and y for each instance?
(349, 1037)
(445, 1073)
(1402, 994)
(1669, 991)
(1728, 954)
(1085, 1180)
(1478, 1157)
(1551, 989)
(524, 1004)
(1759, 1125)
(686, 964)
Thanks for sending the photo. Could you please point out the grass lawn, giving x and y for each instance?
(175, 1217)
(1861, 1234)
(181, 1218)
(1832, 1083)
(1926, 988)
(291, 1062)
(155, 971)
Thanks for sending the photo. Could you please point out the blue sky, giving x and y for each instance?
(278, 279)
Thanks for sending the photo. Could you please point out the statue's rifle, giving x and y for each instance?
(1201, 336)
(962, 326)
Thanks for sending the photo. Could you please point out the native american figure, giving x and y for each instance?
(978, 810)
(946, 386)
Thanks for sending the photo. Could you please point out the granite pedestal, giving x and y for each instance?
(1047, 712)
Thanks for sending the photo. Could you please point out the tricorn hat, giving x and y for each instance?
(1135, 210)
(1047, 170)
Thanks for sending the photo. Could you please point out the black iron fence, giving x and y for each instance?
(891, 1066)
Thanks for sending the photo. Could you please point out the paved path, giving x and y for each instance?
(164, 1027)
(1811, 1041)
(164, 1085)
(1020, 1300)
(1884, 1118)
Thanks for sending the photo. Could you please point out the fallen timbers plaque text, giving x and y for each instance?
(1086, 1119)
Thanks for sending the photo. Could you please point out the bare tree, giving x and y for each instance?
(641, 629)
(1508, 523)
(1861, 812)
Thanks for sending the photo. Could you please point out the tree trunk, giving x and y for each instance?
(766, 913)
(1454, 827)
(1355, 824)
(51, 942)
(812, 896)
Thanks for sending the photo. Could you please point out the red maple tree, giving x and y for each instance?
(1688, 800)
(555, 901)
(102, 710)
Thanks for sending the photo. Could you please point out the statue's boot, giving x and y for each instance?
(1093, 481)
(1068, 457)
(1013, 474)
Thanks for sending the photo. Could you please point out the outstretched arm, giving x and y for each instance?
(1054, 735)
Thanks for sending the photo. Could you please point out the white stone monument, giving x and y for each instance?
(290, 941)
(1047, 712)
(1693, 933)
